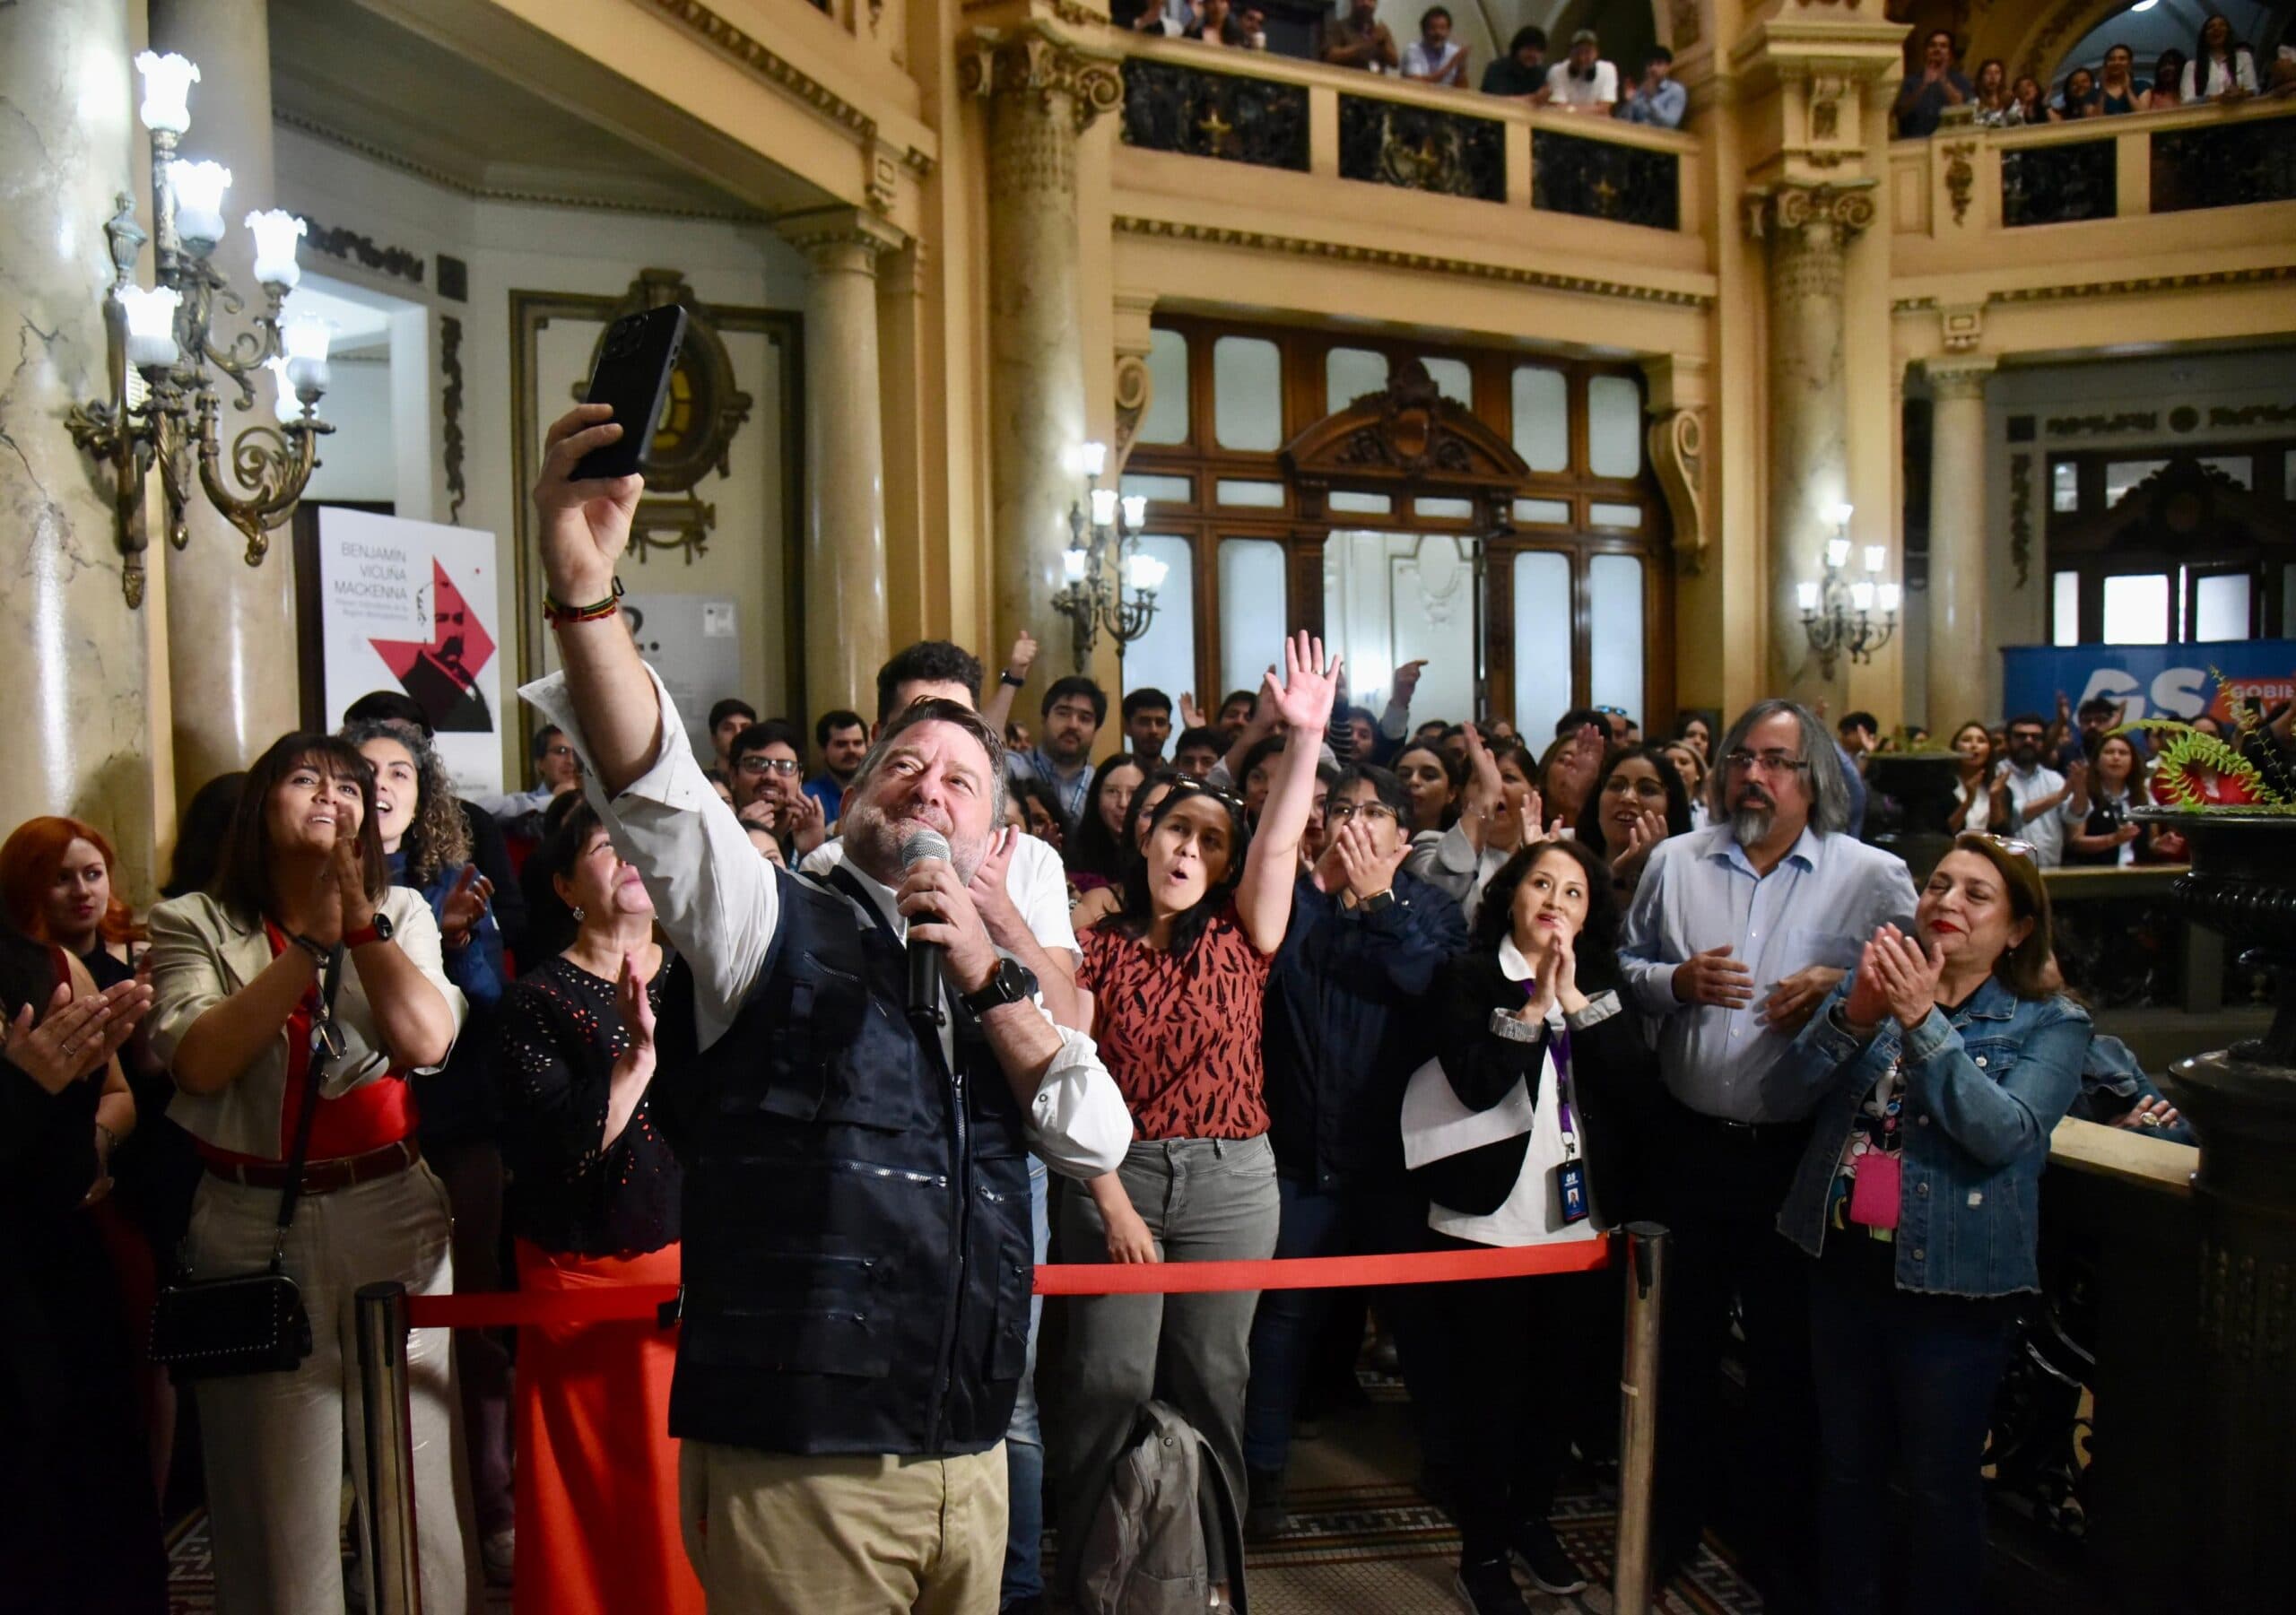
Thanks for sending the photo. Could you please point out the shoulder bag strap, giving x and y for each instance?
(314, 1065)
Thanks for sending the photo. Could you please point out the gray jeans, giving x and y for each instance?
(1203, 1200)
(278, 1445)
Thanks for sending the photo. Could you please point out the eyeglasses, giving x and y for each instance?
(1742, 761)
(1340, 812)
(2007, 844)
(558, 752)
(755, 764)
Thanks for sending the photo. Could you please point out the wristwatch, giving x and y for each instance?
(1379, 900)
(1011, 982)
(376, 930)
(1008, 677)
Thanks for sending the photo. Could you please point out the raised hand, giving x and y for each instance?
(585, 526)
(1868, 1000)
(1303, 700)
(465, 907)
(1582, 759)
(1646, 832)
(349, 872)
(990, 889)
(1023, 656)
(1407, 682)
(77, 1036)
(636, 1008)
(1486, 793)
(1715, 980)
(1191, 715)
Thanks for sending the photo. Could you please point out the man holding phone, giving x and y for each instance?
(855, 1316)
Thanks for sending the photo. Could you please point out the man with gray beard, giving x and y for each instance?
(1736, 934)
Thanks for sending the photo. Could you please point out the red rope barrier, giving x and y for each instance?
(640, 1302)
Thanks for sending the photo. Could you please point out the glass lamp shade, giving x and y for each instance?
(150, 324)
(1103, 507)
(276, 230)
(1145, 573)
(1890, 596)
(1136, 510)
(1837, 555)
(1806, 596)
(305, 336)
(1091, 458)
(1861, 596)
(199, 188)
(167, 91)
(1876, 557)
(1071, 565)
(285, 404)
(1841, 513)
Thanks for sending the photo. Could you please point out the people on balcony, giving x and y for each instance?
(2117, 91)
(1923, 99)
(1521, 73)
(1657, 100)
(1583, 81)
(2221, 68)
(2167, 92)
(1216, 23)
(2029, 104)
(1435, 57)
(1358, 39)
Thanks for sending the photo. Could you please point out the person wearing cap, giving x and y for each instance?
(1583, 81)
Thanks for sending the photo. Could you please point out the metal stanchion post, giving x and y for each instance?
(1646, 1266)
(389, 1546)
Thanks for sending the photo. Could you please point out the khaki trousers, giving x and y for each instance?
(836, 1535)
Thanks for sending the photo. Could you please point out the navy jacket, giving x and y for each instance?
(858, 1259)
(1347, 1025)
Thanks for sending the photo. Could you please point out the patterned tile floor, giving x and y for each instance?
(1361, 1539)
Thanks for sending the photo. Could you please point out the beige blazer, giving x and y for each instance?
(201, 954)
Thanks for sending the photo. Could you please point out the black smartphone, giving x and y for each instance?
(634, 375)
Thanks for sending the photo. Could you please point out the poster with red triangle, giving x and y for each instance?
(412, 608)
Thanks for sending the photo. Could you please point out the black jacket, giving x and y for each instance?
(1346, 1026)
(858, 1258)
(1614, 1086)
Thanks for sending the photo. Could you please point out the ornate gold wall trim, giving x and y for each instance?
(2196, 280)
(753, 53)
(1389, 258)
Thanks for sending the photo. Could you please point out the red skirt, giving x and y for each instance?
(597, 1495)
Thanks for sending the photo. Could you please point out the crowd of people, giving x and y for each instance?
(1324, 980)
(2221, 69)
(1581, 80)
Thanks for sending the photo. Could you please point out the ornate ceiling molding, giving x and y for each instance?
(2200, 279)
(1389, 258)
(753, 53)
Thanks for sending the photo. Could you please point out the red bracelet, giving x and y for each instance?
(558, 615)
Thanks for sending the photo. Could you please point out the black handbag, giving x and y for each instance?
(255, 1322)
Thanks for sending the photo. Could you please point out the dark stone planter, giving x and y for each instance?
(2241, 1102)
(1909, 794)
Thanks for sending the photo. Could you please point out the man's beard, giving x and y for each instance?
(872, 843)
(1750, 822)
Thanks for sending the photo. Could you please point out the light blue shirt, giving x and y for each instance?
(1662, 108)
(1819, 906)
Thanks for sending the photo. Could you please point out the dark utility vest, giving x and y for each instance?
(858, 1259)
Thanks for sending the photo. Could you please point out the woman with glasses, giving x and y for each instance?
(769, 788)
(1178, 979)
(1639, 802)
(1936, 1072)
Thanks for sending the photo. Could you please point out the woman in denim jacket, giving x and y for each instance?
(1936, 1072)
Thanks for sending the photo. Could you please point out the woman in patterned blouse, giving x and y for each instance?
(1177, 979)
(594, 1203)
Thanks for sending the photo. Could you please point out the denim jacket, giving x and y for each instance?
(1984, 1088)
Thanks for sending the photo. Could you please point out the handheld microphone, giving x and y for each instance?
(924, 958)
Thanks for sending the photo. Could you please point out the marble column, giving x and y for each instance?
(231, 661)
(1042, 92)
(74, 731)
(845, 638)
(1808, 227)
(1961, 648)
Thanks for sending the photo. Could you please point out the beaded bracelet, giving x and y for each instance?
(558, 615)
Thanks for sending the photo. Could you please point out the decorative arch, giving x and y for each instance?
(2031, 35)
(1409, 438)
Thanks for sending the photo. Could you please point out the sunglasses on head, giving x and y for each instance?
(1197, 787)
(2007, 844)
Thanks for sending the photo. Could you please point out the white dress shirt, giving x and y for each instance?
(718, 901)
(1819, 906)
(2046, 831)
(1566, 91)
(1035, 881)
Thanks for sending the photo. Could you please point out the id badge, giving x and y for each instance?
(1571, 1189)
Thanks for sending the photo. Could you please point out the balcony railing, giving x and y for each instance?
(1276, 112)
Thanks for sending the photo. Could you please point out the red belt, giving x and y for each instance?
(321, 1177)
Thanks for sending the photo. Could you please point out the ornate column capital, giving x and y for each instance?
(1037, 65)
(1963, 375)
(845, 238)
(1818, 213)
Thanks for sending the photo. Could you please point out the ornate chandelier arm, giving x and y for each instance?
(275, 466)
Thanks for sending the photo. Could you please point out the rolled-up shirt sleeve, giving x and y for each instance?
(715, 896)
(1078, 1123)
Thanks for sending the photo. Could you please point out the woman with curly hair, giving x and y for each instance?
(426, 845)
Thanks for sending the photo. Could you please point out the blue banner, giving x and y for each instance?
(2156, 681)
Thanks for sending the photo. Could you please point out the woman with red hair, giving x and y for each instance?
(56, 879)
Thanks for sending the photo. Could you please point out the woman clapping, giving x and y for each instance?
(1938, 1070)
